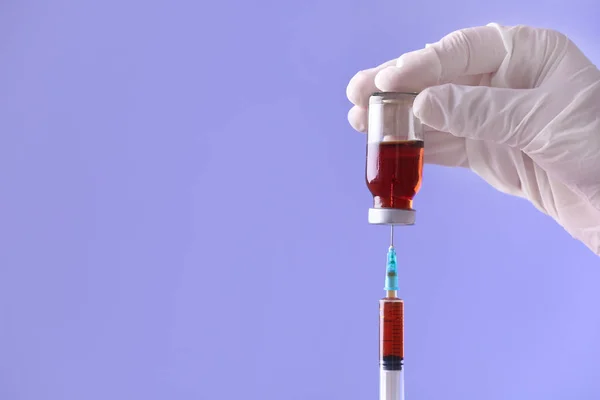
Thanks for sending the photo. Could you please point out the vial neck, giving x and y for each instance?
(392, 202)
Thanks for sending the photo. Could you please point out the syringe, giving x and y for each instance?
(391, 334)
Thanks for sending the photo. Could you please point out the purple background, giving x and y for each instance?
(183, 213)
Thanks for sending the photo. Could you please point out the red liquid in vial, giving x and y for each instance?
(394, 172)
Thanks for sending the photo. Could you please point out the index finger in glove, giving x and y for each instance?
(362, 85)
(471, 51)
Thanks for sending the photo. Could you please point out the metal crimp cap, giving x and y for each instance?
(391, 216)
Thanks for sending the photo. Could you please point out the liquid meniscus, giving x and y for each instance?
(394, 172)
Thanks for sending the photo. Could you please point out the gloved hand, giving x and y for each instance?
(519, 106)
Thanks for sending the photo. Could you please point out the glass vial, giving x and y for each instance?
(394, 167)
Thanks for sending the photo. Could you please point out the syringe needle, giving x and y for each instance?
(392, 236)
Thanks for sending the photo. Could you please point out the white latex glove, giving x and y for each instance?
(519, 106)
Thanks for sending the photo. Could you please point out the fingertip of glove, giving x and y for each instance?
(357, 117)
(428, 110)
(413, 72)
(420, 105)
(353, 90)
(387, 78)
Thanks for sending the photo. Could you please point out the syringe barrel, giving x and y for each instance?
(391, 385)
(391, 349)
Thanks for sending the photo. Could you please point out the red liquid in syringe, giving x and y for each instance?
(391, 334)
